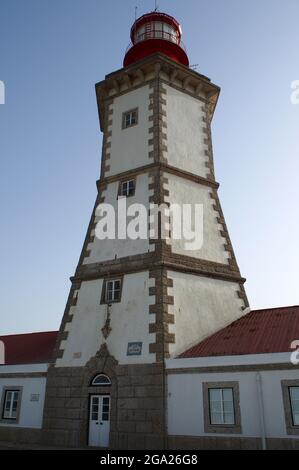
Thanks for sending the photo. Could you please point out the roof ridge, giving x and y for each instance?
(32, 333)
(261, 331)
(273, 308)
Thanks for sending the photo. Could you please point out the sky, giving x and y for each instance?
(52, 52)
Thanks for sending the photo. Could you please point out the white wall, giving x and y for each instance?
(185, 138)
(201, 307)
(103, 250)
(185, 402)
(182, 191)
(31, 412)
(129, 147)
(130, 320)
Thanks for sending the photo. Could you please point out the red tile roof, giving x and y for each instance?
(30, 348)
(260, 331)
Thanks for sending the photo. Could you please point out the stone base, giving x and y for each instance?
(229, 443)
(137, 418)
(17, 435)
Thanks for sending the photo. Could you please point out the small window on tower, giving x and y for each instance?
(127, 188)
(111, 292)
(130, 118)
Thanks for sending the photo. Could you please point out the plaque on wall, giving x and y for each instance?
(34, 397)
(134, 349)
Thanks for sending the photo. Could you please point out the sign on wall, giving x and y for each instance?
(34, 397)
(134, 349)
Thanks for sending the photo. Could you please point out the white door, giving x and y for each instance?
(99, 420)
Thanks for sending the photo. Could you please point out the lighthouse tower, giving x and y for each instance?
(134, 303)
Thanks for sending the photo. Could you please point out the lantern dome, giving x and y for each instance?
(156, 32)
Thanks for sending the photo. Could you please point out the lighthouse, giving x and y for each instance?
(156, 32)
(135, 303)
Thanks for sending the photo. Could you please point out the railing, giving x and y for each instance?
(154, 34)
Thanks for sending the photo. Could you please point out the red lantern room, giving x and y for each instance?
(156, 32)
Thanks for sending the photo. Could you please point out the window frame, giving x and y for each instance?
(104, 296)
(291, 403)
(124, 118)
(157, 30)
(5, 390)
(121, 183)
(108, 384)
(291, 428)
(221, 401)
(235, 428)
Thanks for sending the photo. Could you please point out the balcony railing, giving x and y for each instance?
(156, 35)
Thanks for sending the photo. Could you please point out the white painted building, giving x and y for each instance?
(23, 376)
(251, 366)
(237, 389)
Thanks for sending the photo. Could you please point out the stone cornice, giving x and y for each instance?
(152, 260)
(103, 181)
(146, 70)
(22, 375)
(231, 368)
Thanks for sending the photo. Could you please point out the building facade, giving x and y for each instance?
(237, 389)
(23, 376)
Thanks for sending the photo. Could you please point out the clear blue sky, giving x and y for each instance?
(51, 54)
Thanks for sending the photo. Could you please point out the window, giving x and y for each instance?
(11, 401)
(294, 398)
(158, 30)
(99, 408)
(169, 33)
(11, 404)
(140, 34)
(290, 394)
(127, 188)
(130, 118)
(101, 380)
(111, 291)
(221, 402)
(294, 404)
(105, 408)
(221, 407)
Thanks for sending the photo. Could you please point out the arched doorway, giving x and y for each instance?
(99, 411)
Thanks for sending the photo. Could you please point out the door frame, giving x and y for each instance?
(101, 363)
(94, 393)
